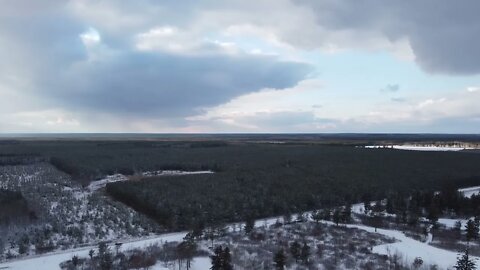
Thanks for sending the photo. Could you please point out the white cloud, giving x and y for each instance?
(473, 89)
(90, 37)
(222, 60)
(296, 98)
(252, 112)
(430, 102)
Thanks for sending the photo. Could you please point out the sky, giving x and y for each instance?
(234, 66)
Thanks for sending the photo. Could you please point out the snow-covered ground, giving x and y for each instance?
(198, 263)
(175, 172)
(468, 192)
(450, 222)
(52, 261)
(420, 148)
(201, 263)
(95, 185)
(409, 249)
(358, 208)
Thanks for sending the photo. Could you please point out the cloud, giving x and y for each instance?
(139, 66)
(443, 35)
(164, 85)
(275, 122)
(454, 113)
(391, 88)
(398, 99)
(297, 98)
(473, 89)
(59, 58)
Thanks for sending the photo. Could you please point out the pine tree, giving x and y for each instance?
(476, 222)
(186, 249)
(376, 220)
(279, 259)
(227, 259)
(389, 206)
(305, 253)
(378, 207)
(326, 214)
(417, 263)
(90, 253)
(105, 256)
(366, 207)
(216, 258)
(295, 250)
(432, 214)
(458, 225)
(222, 259)
(336, 216)
(346, 213)
(317, 216)
(366, 199)
(465, 262)
(472, 230)
(210, 234)
(75, 260)
(249, 224)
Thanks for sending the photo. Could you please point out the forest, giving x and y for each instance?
(13, 208)
(252, 178)
(48, 183)
(271, 180)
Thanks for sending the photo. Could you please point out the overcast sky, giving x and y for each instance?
(240, 66)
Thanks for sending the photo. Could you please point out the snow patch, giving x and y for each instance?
(420, 148)
(470, 191)
(96, 185)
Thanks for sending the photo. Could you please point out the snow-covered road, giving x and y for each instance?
(410, 248)
(51, 261)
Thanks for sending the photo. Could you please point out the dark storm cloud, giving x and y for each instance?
(152, 84)
(444, 35)
(37, 41)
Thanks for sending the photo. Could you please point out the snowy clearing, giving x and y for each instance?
(198, 263)
(468, 192)
(175, 172)
(420, 148)
(96, 185)
(450, 222)
(410, 248)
